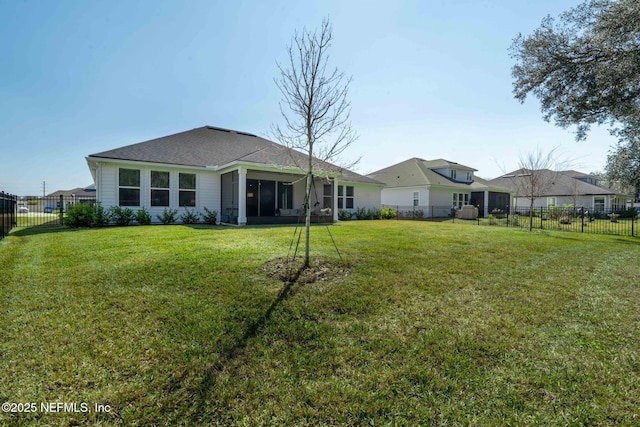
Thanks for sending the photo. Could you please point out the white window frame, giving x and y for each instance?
(349, 198)
(453, 174)
(184, 190)
(604, 203)
(130, 187)
(166, 189)
(460, 199)
(416, 198)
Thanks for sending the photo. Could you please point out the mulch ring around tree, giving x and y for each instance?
(319, 270)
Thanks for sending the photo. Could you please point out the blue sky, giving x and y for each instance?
(431, 79)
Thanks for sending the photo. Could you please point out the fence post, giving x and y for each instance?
(3, 212)
(61, 209)
(582, 217)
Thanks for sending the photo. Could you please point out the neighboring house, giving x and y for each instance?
(77, 195)
(245, 178)
(435, 186)
(567, 188)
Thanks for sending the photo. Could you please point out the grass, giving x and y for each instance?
(436, 324)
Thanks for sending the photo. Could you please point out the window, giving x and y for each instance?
(452, 173)
(345, 197)
(285, 195)
(129, 187)
(460, 199)
(469, 176)
(159, 188)
(416, 198)
(598, 203)
(187, 185)
(327, 196)
(348, 200)
(552, 201)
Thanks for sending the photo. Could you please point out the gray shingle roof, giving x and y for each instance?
(565, 183)
(419, 172)
(212, 146)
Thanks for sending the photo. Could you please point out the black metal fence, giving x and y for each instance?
(584, 220)
(49, 210)
(8, 208)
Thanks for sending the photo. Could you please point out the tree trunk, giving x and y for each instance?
(307, 221)
(531, 216)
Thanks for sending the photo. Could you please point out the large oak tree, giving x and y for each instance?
(584, 67)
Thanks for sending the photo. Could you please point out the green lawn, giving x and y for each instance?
(436, 324)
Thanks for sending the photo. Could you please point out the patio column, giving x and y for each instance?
(334, 182)
(486, 204)
(242, 196)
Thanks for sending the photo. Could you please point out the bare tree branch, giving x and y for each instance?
(315, 109)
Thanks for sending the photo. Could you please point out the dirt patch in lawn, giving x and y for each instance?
(319, 270)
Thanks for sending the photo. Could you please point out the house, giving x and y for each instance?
(435, 186)
(568, 187)
(66, 198)
(76, 195)
(245, 178)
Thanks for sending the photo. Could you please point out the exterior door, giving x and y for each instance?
(253, 197)
(267, 198)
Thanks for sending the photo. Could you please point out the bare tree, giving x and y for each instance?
(315, 109)
(537, 174)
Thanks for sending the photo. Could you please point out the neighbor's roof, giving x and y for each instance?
(564, 183)
(89, 191)
(419, 172)
(213, 147)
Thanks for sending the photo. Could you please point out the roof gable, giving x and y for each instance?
(416, 172)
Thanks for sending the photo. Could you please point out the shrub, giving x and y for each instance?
(189, 217)
(210, 217)
(418, 214)
(344, 215)
(121, 216)
(374, 213)
(361, 213)
(388, 213)
(628, 213)
(101, 216)
(143, 217)
(79, 215)
(168, 216)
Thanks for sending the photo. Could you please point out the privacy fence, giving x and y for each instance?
(8, 211)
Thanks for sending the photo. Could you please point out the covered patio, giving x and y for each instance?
(267, 196)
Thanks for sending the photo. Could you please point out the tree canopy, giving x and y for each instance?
(584, 67)
(623, 166)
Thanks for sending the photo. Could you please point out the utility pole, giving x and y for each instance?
(44, 187)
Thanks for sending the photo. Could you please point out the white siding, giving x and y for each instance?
(364, 195)
(207, 187)
(108, 183)
(404, 196)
